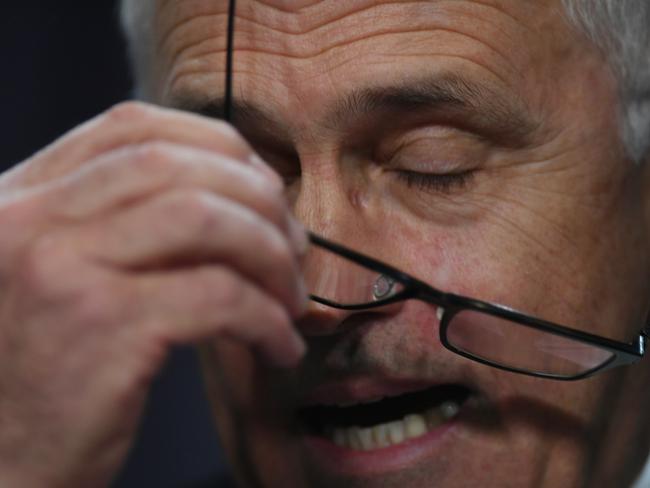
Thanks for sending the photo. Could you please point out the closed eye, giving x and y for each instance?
(435, 182)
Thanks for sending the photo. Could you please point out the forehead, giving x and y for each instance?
(292, 56)
(307, 21)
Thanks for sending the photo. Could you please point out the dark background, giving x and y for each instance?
(63, 62)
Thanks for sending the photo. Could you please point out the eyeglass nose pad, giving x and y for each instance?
(440, 312)
(383, 287)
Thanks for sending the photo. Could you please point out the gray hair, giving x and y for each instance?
(620, 28)
(136, 17)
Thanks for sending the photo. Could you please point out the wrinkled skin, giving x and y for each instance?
(552, 222)
(147, 228)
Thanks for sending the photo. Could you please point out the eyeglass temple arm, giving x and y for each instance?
(227, 105)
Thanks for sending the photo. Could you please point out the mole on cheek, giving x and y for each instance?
(358, 199)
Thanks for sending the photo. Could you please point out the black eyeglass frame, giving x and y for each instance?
(451, 304)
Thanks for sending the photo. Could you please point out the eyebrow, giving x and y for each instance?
(467, 103)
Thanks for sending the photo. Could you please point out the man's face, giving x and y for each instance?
(473, 144)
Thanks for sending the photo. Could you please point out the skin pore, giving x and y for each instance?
(351, 102)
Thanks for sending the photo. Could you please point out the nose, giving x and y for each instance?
(325, 205)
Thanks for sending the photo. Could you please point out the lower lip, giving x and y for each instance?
(343, 461)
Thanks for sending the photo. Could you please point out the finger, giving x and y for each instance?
(185, 306)
(134, 123)
(189, 228)
(131, 174)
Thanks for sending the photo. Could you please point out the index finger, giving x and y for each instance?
(135, 123)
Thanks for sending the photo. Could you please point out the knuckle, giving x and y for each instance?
(230, 139)
(127, 111)
(152, 156)
(196, 210)
(278, 250)
(272, 202)
(276, 188)
(227, 131)
(270, 199)
(226, 288)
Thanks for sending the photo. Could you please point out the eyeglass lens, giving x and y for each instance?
(520, 347)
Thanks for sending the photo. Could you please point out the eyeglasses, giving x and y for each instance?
(488, 333)
(484, 332)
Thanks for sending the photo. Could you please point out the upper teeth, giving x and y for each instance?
(391, 433)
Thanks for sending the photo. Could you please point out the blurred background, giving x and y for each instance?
(62, 63)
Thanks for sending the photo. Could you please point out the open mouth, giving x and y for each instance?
(386, 422)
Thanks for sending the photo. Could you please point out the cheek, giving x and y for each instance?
(563, 420)
(452, 258)
(540, 256)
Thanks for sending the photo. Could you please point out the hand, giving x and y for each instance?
(142, 229)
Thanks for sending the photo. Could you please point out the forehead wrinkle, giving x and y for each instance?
(278, 7)
(312, 55)
(503, 11)
(246, 12)
(320, 15)
(203, 34)
(308, 39)
(205, 48)
(304, 21)
(171, 17)
(387, 19)
(183, 70)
